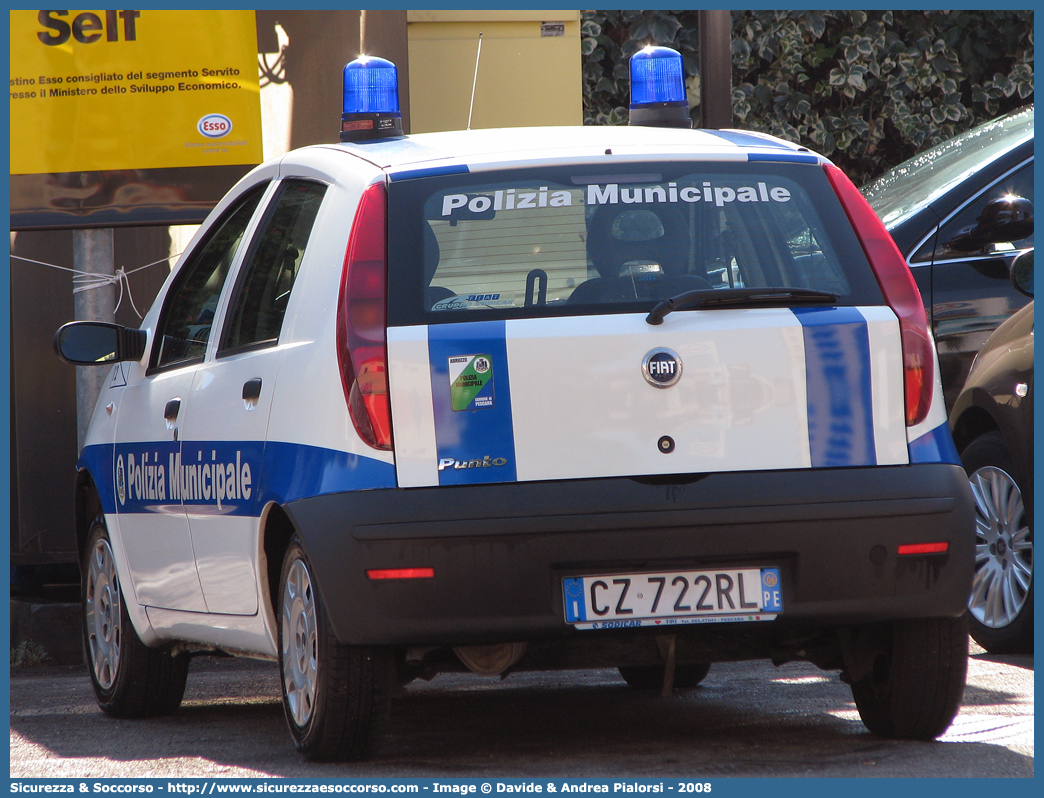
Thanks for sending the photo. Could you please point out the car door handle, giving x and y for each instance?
(171, 410)
(251, 392)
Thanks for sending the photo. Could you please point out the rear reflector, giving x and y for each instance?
(900, 292)
(924, 548)
(361, 338)
(401, 573)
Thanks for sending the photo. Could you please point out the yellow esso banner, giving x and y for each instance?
(133, 89)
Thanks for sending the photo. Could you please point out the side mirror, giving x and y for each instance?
(98, 343)
(1003, 219)
(1022, 273)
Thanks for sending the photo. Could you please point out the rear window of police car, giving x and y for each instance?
(584, 240)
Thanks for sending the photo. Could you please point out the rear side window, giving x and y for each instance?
(1019, 184)
(574, 241)
(936, 247)
(268, 274)
(188, 314)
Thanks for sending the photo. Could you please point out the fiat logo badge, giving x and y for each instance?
(661, 368)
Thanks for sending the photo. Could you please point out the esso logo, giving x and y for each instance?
(214, 126)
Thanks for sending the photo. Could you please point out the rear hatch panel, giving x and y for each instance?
(565, 398)
(517, 333)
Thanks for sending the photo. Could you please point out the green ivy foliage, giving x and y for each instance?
(868, 89)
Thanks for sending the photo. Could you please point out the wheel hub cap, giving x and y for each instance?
(299, 643)
(102, 615)
(1003, 549)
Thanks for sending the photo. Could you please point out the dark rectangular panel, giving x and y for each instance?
(157, 197)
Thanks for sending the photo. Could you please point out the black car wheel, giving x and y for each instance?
(914, 687)
(336, 697)
(650, 677)
(1001, 602)
(130, 679)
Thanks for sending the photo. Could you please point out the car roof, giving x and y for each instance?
(466, 150)
(907, 189)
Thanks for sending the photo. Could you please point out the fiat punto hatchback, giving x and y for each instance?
(638, 397)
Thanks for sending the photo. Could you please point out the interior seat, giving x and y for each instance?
(622, 236)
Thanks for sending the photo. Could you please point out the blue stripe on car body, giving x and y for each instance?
(97, 460)
(766, 149)
(293, 471)
(936, 446)
(790, 157)
(742, 139)
(838, 385)
(429, 171)
(474, 445)
(236, 478)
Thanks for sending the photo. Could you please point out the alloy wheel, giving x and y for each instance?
(300, 644)
(1003, 549)
(102, 613)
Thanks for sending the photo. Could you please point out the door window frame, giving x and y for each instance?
(236, 283)
(262, 187)
(938, 226)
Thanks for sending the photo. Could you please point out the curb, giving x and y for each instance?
(46, 633)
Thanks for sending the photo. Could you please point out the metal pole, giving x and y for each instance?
(383, 33)
(715, 69)
(474, 83)
(92, 254)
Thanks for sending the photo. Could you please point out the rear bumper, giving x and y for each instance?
(500, 552)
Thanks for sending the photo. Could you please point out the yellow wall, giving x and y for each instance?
(524, 77)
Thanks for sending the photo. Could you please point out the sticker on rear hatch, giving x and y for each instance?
(471, 382)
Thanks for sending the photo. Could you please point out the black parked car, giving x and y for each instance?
(960, 213)
(992, 424)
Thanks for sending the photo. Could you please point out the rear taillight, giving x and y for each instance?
(907, 549)
(362, 351)
(400, 573)
(900, 292)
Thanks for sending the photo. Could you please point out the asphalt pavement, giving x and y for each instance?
(745, 720)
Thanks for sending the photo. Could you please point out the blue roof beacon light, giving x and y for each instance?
(658, 96)
(371, 100)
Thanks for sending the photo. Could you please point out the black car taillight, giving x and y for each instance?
(900, 292)
(362, 350)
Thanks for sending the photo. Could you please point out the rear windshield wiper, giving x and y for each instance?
(705, 298)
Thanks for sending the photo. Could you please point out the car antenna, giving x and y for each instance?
(474, 82)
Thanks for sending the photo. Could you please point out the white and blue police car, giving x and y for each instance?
(640, 397)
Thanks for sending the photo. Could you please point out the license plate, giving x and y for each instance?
(672, 597)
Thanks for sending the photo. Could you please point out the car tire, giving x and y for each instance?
(650, 677)
(914, 687)
(336, 697)
(130, 679)
(1000, 607)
